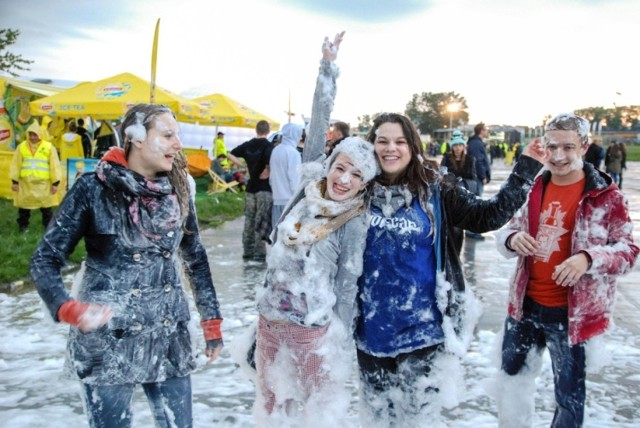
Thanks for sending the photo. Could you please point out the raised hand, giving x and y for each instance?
(535, 149)
(329, 49)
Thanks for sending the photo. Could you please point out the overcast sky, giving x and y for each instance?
(515, 61)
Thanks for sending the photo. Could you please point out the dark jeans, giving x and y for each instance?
(397, 391)
(109, 406)
(541, 327)
(24, 215)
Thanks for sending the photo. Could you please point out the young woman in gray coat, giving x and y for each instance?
(307, 305)
(129, 318)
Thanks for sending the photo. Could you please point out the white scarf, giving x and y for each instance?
(314, 216)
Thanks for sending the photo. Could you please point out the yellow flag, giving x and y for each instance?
(154, 58)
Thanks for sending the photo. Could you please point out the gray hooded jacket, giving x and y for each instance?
(284, 164)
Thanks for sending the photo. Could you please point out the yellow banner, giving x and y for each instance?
(5, 181)
(154, 58)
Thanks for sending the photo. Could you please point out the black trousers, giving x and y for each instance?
(24, 215)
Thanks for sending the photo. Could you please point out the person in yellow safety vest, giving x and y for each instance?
(35, 175)
(444, 148)
(219, 148)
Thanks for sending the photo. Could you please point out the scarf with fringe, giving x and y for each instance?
(314, 217)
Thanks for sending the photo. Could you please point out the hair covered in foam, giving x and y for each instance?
(570, 122)
(361, 153)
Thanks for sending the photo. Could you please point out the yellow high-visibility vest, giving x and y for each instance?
(36, 165)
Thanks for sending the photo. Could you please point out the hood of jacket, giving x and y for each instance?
(291, 134)
(70, 137)
(35, 128)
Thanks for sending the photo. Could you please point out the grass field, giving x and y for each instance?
(633, 152)
(16, 248)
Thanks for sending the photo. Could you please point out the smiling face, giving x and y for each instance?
(565, 151)
(158, 148)
(344, 180)
(392, 150)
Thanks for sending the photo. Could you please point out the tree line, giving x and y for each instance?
(431, 111)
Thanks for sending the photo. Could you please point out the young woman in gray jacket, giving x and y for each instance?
(307, 305)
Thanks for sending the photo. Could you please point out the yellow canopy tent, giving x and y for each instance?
(32, 88)
(110, 98)
(226, 111)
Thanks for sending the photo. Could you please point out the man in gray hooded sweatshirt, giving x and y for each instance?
(284, 164)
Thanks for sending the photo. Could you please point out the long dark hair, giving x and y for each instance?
(145, 114)
(458, 164)
(419, 172)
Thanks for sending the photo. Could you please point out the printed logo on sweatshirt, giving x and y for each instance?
(402, 225)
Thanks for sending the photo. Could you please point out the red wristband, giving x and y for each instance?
(211, 328)
(71, 311)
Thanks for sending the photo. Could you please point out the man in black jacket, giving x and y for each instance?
(258, 200)
(476, 148)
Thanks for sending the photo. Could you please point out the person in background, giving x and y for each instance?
(216, 166)
(300, 146)
(105, 139)
(87, 148)
(476, 148)
(35, 174)
(339, 133)
(518, 147)
(463, 167)
(613, 161)
(445, 148)
(572, 239)
(52, 130)
(258, 199)
(220, 148)
(130, 318)
(71, 143)
(275, 138)
(623, 164)
(595, 153)
(415, 316)
(283, 169)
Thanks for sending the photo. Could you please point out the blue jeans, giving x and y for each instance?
(109, 406)
(541, 327)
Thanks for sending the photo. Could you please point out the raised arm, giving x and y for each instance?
(323, 99)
